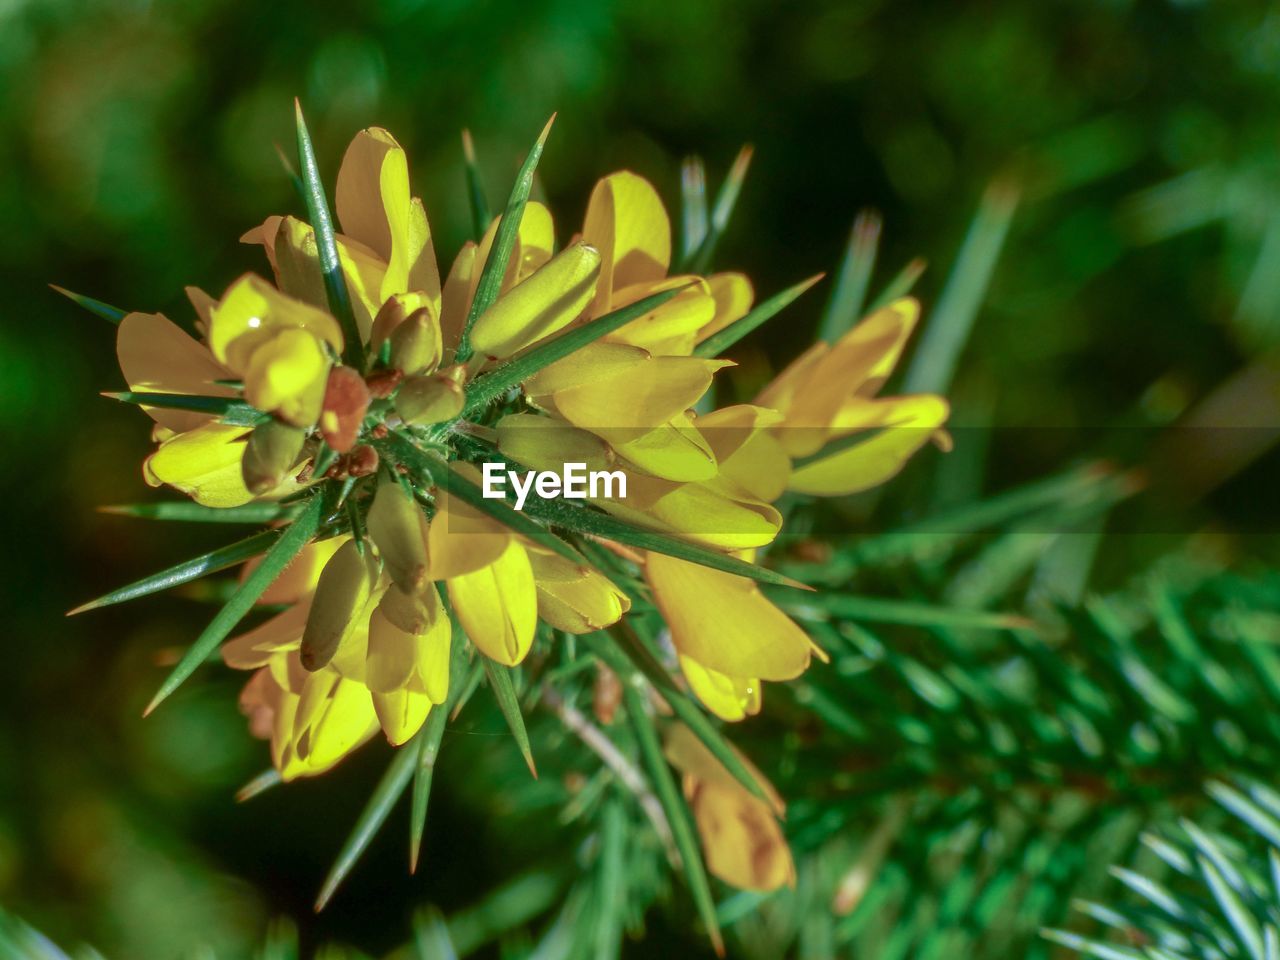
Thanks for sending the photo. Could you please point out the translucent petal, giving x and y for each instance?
(627, 222)
(156, 356)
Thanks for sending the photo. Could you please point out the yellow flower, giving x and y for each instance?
(313, 719)
(829, 394)
(741, 839)
(277, 345)
(727, 634)
(364, 639)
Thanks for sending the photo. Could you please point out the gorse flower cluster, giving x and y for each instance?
(349, 399)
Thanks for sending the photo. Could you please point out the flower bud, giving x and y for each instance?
(346, 399)
(341, 595)
(270, 454)
(574, 598)
(415, 343)
(414, 613)
(394, 312)
(423, 400)
(549, 300)
(399, 530)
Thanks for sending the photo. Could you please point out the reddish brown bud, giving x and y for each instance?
(363, 461)
(346, 398)
(382, 383)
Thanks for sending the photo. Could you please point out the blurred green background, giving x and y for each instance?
(137, 140)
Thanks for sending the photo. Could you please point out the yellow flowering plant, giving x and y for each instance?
(348, 398)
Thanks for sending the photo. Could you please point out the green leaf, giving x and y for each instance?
(190, 512)
(628, 654)
(187, 571)
(431, 936)
(504, 242)
(900, 285)
(104, 310)
(612, 886)
(850, 293)
(260, 784)
(594, 523)
(230, 410)
(721, 341)
(373, 816)
(948, 328)
(484, 389)
(693, 206)
(905, 613)
(504, 692)
(480, 215)
(335, 282)
(726, 200)
(1102, 951)
(676, 811)
(1262, 822)
(295, 536)
(460, 679)
(1243, 924)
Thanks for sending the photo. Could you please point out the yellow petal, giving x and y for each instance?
(299, 579)
(855, 366)
(534, 242)
(402, 713)
(671, 328)
(433, 660)
(729, 698)
(252, 312)
(645, 393)
(399, 529)
(498, 606)
(781, 391)
(698, 511)
(690, 756)
(549, 300)
(593, 363)
(677, 450)
(548, 443)
(724, 622)
(392, 655)
(733, 295)
(344, 589)
(461, 540)
(903, 424)
(256, 648)
(286, 375)
(375, 207)
(574, 598)
(628, 224)
(156, 356)
(345, 721)
(203, 305)
(296, 261)
(456, 296)
(751, 460)
(742, 841)
(204, 463)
